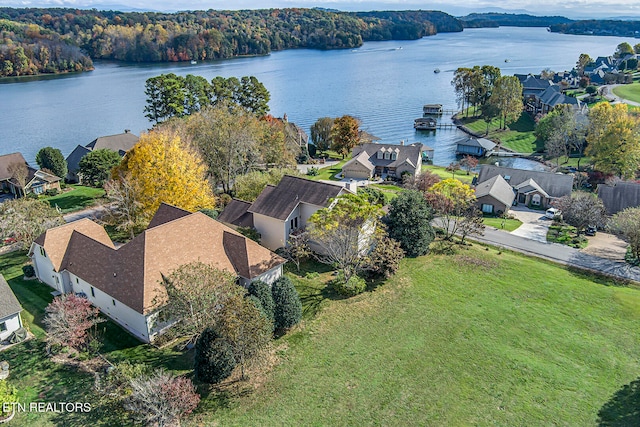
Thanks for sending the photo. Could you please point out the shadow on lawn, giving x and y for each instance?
(623, 409)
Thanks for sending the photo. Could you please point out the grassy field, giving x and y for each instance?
(508, 224)
(450, 340)
(329, 172)
(630, 92)
(78, 198)
(518, 137)
(442, 172)
(456, 341)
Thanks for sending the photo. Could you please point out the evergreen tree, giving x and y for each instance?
(52, 159)
(214, 360)
(262, 292)
(288, 308)
(409, 222)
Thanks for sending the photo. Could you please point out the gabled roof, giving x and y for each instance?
(166, 213)
(555, 185)
(42, 176)
(7, 160)
(619, 197)
(120, 143)
(279, 201)
(132, 274)
(529, 186)
(73, 159)
(236, 213)
(497, 188)
(553, 96)
(9, 304)
(534, 84)
(477, 142)
(412, 152)
(363, 159)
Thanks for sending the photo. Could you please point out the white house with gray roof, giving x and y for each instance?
(10, 309)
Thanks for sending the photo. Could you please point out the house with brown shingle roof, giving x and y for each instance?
(125, 282)
(36, 181)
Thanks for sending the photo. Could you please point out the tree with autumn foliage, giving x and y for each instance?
(25, 219)
(68, 321)
(345, 134)
(507, 99)
(163, 170)
(161, 399)
(614, 140)
(451, 200)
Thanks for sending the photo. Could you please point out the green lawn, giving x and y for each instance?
(508, 224)
(442, 172)
(518, 137)
(630, 92)
(78, 198)
(450, 340)
(329, 172)
(455, 341)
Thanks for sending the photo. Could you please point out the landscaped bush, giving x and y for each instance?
(262, 291)
(214, 360)
(211, 213)
(287, 305)
(354, 286)
(312, 150)
(385, 258)
(52, 192)
(250, 233)
(28, 271)
(313, 171)
(629, 258)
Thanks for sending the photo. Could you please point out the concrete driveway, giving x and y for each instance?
(607, 246)
(534, 224)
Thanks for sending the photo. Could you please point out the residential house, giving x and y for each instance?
(620, 196)
(37, 181)
(10, 309)
(280, 210)
(494, 196)
(386, 160)
(121, 143)
(533, 188)
(473, 146)
(125, 282)
(552, 97)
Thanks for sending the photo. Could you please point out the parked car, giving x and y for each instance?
(553, 213)
(591, 230)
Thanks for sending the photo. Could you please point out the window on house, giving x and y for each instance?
(113, 302)
(77, 281)
(42, 252)
(487, 208)
(380, 154)
(295, 222)
(3, 326)
(291, 224)
(387, 156)
(394, 156)
(535, 200)
(93, 292)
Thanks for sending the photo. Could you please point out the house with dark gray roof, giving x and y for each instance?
(494, 196)
(532, 188)
(280, 210)
(552, 97)
(236, 214)
(125, 282)
(10, 320)
(473, 146)
(620, 196)
(120, 143)
(384, 160)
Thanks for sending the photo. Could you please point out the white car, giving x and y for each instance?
(553, 213)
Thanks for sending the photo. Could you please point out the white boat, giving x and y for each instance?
(437, 70)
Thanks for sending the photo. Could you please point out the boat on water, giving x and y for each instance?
(437, 70)
(507, 60)
(425, 123)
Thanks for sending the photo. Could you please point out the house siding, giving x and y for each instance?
(267, 277)
(357, 171)
(12, 323)
(134, 322)
(44, 269)
(497, 205)
(272, 231)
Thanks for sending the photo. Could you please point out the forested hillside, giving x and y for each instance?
(205, 35)
(27, 49)
(489, 20)
(599, 28)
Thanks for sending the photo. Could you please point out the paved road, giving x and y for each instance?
(615, 98)
(91, 213)
(559, 253)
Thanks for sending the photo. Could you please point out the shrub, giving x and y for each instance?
(312, 150)
(214, 360)
(409, 222)
(52, 192)
(32, 196)
(211, 213)
(287, 305)
(28, 271)
(385, 258)
(262, 291)
(313, 171)
(354, 286)
(250, 233)
(8, 393)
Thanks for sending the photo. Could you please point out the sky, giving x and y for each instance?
(569, 8)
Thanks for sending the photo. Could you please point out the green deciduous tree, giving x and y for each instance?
(450, 199)
(249, 186)
(26, 219)
(583, 60)
(321, 133)
(345, 134)
(52, 159)
(287, 305)
(409, 222)
(165, 97)
(623, 49)
(8, 394)
(507, 99)
(95, 167)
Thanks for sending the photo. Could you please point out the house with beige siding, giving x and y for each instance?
(385, 160)
(125, 282)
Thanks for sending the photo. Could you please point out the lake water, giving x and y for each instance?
(384, 84)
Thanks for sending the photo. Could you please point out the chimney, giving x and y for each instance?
(352, 186)
(127, 130)
(402, 142)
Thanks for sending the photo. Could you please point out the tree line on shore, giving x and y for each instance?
(199, 35)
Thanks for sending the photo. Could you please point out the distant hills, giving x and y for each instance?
(488, 20)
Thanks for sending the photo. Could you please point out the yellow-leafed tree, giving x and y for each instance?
(160, 169)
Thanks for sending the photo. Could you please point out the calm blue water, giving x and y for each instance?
(384, 84)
